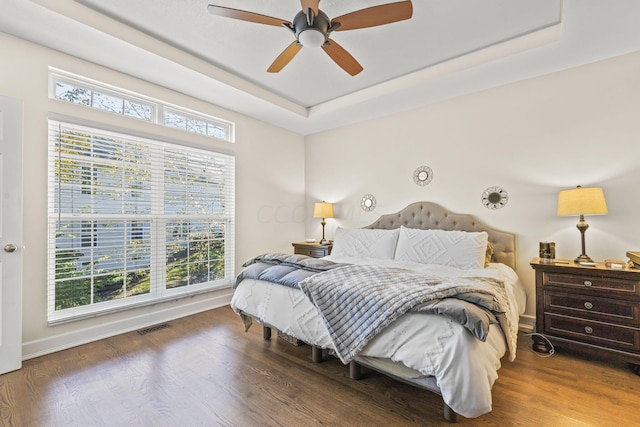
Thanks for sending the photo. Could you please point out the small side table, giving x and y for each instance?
(315, 250)
(594, 310)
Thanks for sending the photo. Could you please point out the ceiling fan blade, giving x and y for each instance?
(310, 4)
(375, 15)
(284, 58)
(341, 57)
(246, 16)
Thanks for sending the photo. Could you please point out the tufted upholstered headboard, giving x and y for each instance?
(430, 216)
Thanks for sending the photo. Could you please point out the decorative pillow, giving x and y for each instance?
(461, 249)
(365, 242)
(488, 254)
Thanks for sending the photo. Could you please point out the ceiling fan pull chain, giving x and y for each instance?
(310, 17)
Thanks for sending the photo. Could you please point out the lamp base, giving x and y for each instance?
(583, 258)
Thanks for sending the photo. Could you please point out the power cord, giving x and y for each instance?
(552, 348)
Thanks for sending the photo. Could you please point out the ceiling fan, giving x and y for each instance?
(312, 27)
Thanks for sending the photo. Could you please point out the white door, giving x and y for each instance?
(10, 234)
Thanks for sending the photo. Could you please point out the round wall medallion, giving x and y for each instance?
(422, 175)
(494, 197)
(368, 203)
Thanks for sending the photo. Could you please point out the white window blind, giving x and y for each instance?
(134, 221)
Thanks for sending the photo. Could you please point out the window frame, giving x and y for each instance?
(158, 107)
(158, 257)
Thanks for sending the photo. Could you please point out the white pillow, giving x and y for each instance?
(461, 249)
(372, 243)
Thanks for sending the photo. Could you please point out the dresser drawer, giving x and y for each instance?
(315, 250)
(592, 332)
(594, 283)
(592, 307)
(315, 253)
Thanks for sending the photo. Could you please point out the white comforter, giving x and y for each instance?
(464, 367)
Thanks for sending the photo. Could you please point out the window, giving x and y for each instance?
(103, 100)
(78, 90)
(193, 123)
(134, 221)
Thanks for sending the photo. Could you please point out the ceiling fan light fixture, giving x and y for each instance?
(311, 38)
(313, 28)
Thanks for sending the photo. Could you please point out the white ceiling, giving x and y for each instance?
(438, 31)
(448, 48)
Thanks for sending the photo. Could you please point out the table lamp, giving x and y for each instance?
(582, 201)
(323, 210)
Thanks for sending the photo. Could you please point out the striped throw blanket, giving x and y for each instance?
(358, 301)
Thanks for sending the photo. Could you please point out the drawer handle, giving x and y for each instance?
(588, 283)
(588, 329)
(588, 305)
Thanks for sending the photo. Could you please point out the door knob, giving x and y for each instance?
(10, 247)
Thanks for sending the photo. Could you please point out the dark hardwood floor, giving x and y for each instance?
(205, 371)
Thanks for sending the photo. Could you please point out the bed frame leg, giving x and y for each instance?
(316, 354)
(449, 414)
(355, 370)
(266, 332)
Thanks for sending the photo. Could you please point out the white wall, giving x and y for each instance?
(579, 126)
(533, 138)
(269, 189)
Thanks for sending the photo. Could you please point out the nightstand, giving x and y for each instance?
(594, 310)
(315, 250)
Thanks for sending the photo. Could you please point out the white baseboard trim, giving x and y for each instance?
(60, 342)
(527, 323)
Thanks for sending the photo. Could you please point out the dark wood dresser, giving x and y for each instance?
(595, 310)
(315, 250)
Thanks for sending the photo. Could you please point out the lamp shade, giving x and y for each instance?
(323, 210)
(582, 201)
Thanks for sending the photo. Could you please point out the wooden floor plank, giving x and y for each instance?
(205, 370)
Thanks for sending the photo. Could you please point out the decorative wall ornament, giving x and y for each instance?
(368, 203)
(422, 175)
(494, 197)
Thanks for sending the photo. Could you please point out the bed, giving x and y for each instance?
(448, 337)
